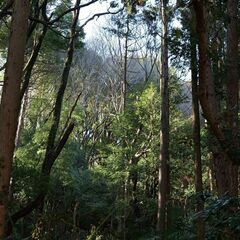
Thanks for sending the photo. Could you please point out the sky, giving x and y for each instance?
(93, 26)
(100, 6)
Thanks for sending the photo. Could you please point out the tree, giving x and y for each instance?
(224, 127)
(97, 132)
(232, 93)
(164, 178)
(54, 145)
(196, 129)
(10, 101)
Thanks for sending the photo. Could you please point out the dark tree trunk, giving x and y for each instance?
(196, 130)
(224, 151)
(232, 89)
(206, 86)
(31, 61)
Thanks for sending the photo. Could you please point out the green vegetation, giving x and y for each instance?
(97, 156)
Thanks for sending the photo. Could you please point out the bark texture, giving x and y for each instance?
(164, 178)
(225, 151)
(232, 90)
(206, 85)
(10, 101)
(125, 69)
(54, 144)
(196, 131)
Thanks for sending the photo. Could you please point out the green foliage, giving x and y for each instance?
(221, 218)
(89, 177)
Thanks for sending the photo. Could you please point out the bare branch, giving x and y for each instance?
(97, 15)
(70, 10)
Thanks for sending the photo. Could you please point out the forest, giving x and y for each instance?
(130, 134)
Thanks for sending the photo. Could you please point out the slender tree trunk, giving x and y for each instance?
(211, 176)
(126, 185)
(164, 178)
(125, 68)
(196, 132)
(30, 64)
(49, 156)
(21, 119)
(123, 107)
(10, 101)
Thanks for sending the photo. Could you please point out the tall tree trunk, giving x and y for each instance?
(11, 100)
(232, 89)
(196, 130)
(51, 142)
(54, 145)
(125, 68)
(164, 178)
(225, 152)
(225, 171)
(206, 86)
(123, 107)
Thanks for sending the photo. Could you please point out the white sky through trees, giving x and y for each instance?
(92, 27)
